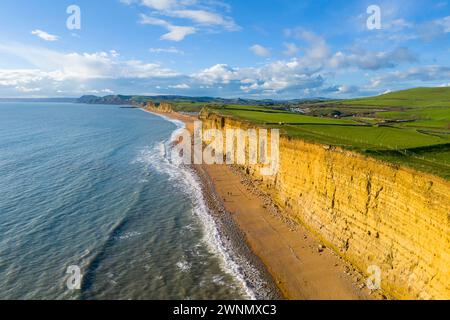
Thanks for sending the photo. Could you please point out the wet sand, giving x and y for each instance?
(285, 253)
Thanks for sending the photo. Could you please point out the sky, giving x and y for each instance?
(257, 49)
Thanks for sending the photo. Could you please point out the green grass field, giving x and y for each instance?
(418, 97)
(410, 128)
(188, 106)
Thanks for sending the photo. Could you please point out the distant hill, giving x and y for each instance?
(127, 99)
(417, 97)
(436, 94)
(116, 99)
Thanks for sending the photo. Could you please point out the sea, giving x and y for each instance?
(92, 208)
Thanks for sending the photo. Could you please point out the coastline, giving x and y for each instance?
(291, 262)
(254, 272)
(226, 239)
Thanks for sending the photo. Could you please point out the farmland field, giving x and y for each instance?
(410, 128)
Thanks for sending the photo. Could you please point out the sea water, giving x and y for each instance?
(90, 186)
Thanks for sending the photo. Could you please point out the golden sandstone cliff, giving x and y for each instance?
(163, 107)
(370, 212)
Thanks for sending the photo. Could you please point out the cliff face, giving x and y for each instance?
(369, 212)
(162, 107)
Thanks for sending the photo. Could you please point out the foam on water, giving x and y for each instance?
(178, 123)
(157, 158)
(74, 199)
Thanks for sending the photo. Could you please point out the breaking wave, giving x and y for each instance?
(157, 158)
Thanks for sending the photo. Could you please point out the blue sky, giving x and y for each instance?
(233, 48)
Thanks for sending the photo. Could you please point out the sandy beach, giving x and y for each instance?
(291, 260)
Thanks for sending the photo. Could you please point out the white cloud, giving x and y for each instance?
(153, 4)
(421, 73)
(444, 23)
(372, 60)
(202, 14)
(176, 33)
(206, 18)
(56, 66)
(160, 4)
(27, 90)
(317, 48)
(345, 89)
(44, 35)
(283, 78)
(430, 30)
(219, 73)
(306, 73)
(291, 49)
(172, 50)
(180, 86)
(398, 25)
(318, 54)
(259, 50)
(102, 91)
(275, 77)
(20, 77)
(139, 69)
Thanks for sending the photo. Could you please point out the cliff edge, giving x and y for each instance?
(370, 212)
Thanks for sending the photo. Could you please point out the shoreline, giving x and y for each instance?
(240, 261)
(255, 275)
(291, 261)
